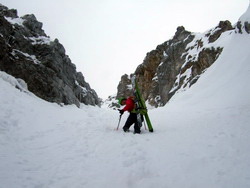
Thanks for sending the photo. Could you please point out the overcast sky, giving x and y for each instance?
(108, 38)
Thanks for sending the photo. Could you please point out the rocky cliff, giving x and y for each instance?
(28, 53)
(178, 63)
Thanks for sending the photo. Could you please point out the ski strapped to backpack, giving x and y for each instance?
(141, 106)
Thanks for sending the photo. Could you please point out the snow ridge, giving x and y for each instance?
(246, 16)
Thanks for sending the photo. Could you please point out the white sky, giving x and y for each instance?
(108, 38)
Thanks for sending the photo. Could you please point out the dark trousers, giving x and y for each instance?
(132, 119)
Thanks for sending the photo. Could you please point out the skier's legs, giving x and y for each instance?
(137, 127)
(131, 119)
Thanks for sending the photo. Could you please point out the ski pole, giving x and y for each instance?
(145, 125)
(119, 122)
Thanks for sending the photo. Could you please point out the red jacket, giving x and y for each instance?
(130, 104)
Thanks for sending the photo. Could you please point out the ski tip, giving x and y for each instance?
(151, 130)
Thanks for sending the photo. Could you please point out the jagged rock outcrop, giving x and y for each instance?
(175, 64)
(28, 53)
(124, 86)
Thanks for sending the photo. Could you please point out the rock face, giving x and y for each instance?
(176, 64)
(28, 53)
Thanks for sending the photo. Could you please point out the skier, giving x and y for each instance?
(130, 106)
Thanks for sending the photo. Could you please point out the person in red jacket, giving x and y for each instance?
(130, 106)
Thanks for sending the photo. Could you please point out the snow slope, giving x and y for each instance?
(201, 137)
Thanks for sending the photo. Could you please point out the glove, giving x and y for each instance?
(121, 111)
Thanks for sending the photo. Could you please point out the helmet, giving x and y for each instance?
(120, 100)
